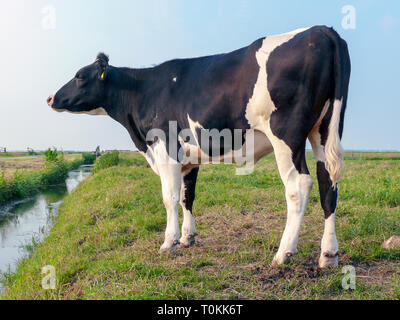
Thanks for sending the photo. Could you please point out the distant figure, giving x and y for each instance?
(98, 152)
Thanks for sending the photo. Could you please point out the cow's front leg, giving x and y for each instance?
(171, 179)
(171, 186)
(187, 199)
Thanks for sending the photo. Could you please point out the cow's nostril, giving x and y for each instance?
(50, 100)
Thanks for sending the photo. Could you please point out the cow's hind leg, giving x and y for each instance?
(298, 183)
(187, 199)
(328, 195)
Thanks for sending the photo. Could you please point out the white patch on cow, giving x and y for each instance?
(193, 126)
(318, 149)
(150, 159)
(94, 112)
(58, 110)
(329, 244)
(171, 179)
(260, 105)
(97, 112)
(323, 113)
(174, 79)
(315, 137)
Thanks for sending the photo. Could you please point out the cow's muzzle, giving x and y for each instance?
(50, 100)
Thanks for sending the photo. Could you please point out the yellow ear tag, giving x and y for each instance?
(102, 76)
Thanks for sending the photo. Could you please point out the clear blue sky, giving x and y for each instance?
(35, 61)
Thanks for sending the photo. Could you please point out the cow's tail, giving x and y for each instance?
(333, 149)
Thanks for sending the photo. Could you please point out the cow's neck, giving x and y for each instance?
(124, 101)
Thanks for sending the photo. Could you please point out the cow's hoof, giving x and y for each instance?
(187, 240)
(328, 259)
(282, 258)
(169, 247)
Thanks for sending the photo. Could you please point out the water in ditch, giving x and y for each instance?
(28, 221)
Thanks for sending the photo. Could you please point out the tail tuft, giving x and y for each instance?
(333, 149)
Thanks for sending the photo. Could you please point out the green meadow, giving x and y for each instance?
(105, 241)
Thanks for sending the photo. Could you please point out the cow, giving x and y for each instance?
(276, 92)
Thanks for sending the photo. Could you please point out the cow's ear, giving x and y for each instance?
(102, 61)
(103, 73)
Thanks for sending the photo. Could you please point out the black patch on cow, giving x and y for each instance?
(327, 194)
(189, 182)
(342, 72)
(138, 138)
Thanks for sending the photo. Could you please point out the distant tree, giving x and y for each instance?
(31, 152)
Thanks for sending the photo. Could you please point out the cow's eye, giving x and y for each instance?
(79, 76)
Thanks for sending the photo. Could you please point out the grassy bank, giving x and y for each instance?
(105, 241)
(23, 183)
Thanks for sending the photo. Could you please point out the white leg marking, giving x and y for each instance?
(329, 244)
(170, 174)
(298, 187)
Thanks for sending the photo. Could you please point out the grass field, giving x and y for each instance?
(16, 154)
(32, 163)
(105, 242)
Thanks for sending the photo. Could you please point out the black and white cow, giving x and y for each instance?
(277, 92)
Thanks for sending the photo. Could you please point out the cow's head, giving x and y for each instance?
(85, 93)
